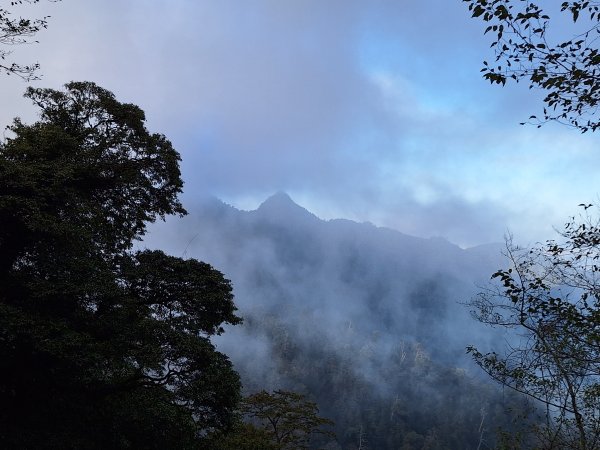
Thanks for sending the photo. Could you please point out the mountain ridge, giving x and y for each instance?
(346, 312)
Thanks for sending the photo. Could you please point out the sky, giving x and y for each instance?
(371, 111)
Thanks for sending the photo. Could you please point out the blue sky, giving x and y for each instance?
(372, 111)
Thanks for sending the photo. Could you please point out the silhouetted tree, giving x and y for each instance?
(545, 52)
(102, 346)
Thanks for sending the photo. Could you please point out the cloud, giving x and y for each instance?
(348, 105)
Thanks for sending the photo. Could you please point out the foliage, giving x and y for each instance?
(527, 47)
(102, 346)
(287, 417)
(551, 297)
(277, 421)
(15, 31)
(241, 436)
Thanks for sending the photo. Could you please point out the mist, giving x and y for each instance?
(338, 303)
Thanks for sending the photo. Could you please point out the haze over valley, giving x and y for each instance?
(350, 315)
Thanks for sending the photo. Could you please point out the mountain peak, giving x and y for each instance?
(280, 198)
(281, 206)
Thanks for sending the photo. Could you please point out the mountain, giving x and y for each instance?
(280, 207)
(367, 321)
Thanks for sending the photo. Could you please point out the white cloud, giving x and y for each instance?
(368, 110)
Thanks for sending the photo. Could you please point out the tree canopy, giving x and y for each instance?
(562, 60)
(288, 417)
(102, 346)
(274, 421)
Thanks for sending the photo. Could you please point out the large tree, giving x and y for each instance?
(560, 57)
(102, 346)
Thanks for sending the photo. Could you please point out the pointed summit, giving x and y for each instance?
(278, 200)
(281, 207)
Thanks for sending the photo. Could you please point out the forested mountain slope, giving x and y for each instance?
(366, 321)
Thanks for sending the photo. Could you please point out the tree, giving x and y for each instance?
(527, 47)
(287, 417)
(242, 436)
(15, 31)
(551, 297)
(102, 346)
(551, 293)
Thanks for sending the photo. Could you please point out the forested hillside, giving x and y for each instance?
(368, 322)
